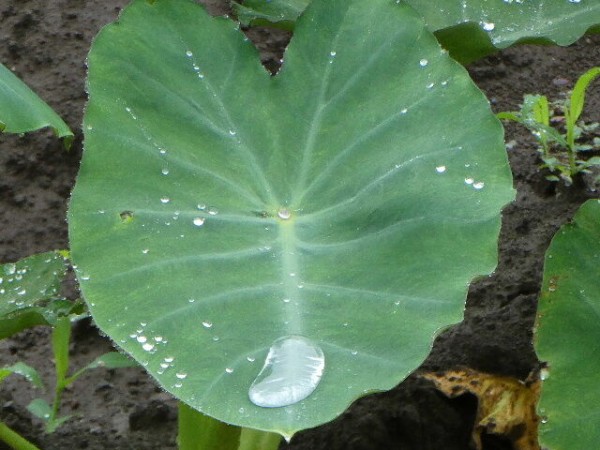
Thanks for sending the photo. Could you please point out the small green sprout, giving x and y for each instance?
(560, 150)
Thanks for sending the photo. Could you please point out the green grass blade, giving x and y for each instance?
(21, 110)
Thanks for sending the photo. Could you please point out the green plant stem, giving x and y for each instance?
(61, 334)
(201, 432)
(14, 439)
(570, 123)
(259, 440)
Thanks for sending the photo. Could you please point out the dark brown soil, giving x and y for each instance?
(45, 43)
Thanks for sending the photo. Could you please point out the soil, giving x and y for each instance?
(45, 43)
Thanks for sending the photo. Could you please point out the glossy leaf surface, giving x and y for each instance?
(469, 29)
(29, 293)
(21, 110)
(225, 220)
(568, 335)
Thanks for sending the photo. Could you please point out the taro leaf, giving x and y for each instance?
(568, 335)
(21, 110)
(469, 29)
(342, 206)
(29, 293)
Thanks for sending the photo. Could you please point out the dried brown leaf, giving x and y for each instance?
(506, 406)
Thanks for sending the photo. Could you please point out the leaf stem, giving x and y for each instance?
(258, 440)
(14, 439)
(198, 431)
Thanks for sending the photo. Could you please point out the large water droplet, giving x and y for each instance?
(291, 372)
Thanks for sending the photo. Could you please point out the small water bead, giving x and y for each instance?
(479, 185)
(404, 111)
(207, 324)
(181, 375)
(178, 385)
(544, 374)
(189, 53)
(169, 359)
(332, 53)
(228, 370)
(198, 221)
(430, 85)
(201, 206)
(469, 181)
(440, 169)
(165, 200)
(488, 26)
(10, 269)
(292, 371)
(164, 171)
(145, 251)
(141, 339)
(250, 358)
(232, 132)
(148, 347)
(213, 211)
(284, 214)
(574, 1)
(158, 338)
(129, 110)
(423, 62)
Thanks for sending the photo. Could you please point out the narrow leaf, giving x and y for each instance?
(25, 370)
(21, 110)
(578, 95)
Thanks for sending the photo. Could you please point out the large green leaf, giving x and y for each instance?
(21, 110)
(337, 210)
(469, 29)
(568, 335)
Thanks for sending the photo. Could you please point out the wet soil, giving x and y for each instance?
(45, 43)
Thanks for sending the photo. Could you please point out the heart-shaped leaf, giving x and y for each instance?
(568, 332)
(469, 29)
(320, 225)
(21, 110)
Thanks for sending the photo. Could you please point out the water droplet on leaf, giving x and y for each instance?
(284, 213)
(292, 371)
